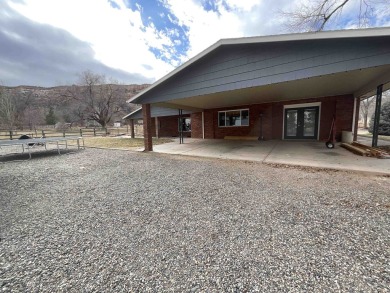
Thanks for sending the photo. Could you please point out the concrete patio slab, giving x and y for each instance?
(219, 148)
(315, 154)
(297, 153)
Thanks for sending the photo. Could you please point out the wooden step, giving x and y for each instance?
(355, 149)
(375, 152)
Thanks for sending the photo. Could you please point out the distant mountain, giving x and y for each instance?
(41, 94)
(32, 104)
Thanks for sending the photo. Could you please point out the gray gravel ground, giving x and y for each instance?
(117, 221)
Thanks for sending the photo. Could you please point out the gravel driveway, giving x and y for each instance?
(117, 221)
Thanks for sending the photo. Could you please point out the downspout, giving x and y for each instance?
(203, 124)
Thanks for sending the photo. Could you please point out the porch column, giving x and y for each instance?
(378, 102)
(356, 119)
(132, 133)
(157, 127)
(147, 127)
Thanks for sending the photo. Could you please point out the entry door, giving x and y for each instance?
(301, 123)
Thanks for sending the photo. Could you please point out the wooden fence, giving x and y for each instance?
(51, 132)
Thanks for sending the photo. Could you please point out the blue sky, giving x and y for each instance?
(49, 42)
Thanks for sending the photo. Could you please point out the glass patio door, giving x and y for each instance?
(301, 123)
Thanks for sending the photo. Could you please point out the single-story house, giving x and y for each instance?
(288, 87)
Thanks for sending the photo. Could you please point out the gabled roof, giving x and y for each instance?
(324, 35)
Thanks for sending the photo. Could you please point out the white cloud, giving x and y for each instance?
(121, 40)
(118, 36)
(246, 5)
(205, 27)
(241, 18)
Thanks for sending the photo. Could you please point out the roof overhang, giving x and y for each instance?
(346, 83)
(155, 111)
(341, 34)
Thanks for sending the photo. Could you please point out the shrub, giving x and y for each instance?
(384, 121)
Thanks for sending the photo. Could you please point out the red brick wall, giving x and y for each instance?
(356, 125)
(277, 120)
(272, 119)
(208, 124)
(344, 112)
(154, 127)
(169, 127)
(196, 125)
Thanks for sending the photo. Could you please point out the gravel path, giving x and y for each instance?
(116, 221)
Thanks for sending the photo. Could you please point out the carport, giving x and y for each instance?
(284, 87)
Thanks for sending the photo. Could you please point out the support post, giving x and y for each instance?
(356, 119)
(147, 127)
(378, 102)
(132, 133)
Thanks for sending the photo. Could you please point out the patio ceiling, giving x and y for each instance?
(361, 83)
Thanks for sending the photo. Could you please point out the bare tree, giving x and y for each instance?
(314, 15)
(365, 107)
(33, 116)
(23, 101)
(98, 100)
(7, 109)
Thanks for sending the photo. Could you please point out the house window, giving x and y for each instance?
(233, 118)
(185, 124)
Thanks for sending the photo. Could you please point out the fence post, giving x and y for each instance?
(43, 133)
(36, 134)
(63, 133)
(94, 131)
(106, 130)
(10, 134)
(81, 132)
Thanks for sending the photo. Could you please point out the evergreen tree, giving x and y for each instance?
(50, 117)
(384, 121)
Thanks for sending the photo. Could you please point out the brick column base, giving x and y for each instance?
(147, 127)
(132, 133)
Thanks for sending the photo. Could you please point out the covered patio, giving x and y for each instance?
(312, 154)
(285, 87)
